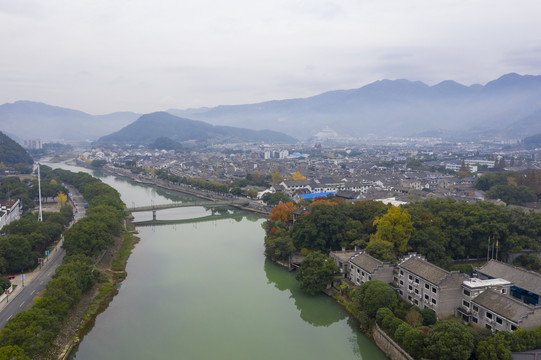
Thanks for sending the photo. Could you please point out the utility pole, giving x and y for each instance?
(40, 215)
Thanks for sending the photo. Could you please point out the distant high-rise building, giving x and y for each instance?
(33, 144)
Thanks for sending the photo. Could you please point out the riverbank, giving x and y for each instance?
(112, 269)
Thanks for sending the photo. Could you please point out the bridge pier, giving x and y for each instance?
(153, 214)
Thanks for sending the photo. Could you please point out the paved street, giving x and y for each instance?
(36, 281)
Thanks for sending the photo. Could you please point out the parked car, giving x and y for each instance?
(10, 277)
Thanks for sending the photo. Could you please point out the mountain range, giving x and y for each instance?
(150, 127)
(33, 120)
(508, 107)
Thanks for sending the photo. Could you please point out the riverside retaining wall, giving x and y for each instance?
(388, 346)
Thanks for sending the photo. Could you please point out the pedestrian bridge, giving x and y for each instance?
(208, 204)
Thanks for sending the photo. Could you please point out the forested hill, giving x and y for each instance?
(12, 154)
(150, 127)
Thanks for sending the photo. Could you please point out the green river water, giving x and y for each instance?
(204, 290)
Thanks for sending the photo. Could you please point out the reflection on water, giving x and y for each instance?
(310, 307)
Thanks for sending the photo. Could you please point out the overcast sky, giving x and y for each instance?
(134, 55)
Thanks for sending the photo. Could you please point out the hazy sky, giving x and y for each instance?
(143, 56)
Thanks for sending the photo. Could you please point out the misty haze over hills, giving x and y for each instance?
(509, 107)
(32, 120)
(150, 127)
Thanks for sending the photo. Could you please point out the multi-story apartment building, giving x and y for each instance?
(429, 286)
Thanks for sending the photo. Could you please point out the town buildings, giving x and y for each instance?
(10, 210)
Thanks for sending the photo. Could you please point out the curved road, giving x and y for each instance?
(23, 297)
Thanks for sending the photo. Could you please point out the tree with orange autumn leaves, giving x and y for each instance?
(283, 212)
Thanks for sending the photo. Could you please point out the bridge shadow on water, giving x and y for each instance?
(219, 215)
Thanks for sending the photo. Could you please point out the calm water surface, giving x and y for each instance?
(204, 290)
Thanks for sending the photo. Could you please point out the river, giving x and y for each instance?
(204, 290)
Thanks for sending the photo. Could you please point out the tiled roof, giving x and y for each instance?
(503, 305)
(522, 278)
(366, 262)
(424, 269)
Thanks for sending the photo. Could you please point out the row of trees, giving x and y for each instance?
(25, 240)
(31, 332)
(511, 187)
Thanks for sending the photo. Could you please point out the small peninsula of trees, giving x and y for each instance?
(441, 230)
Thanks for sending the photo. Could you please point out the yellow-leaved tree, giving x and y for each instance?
(394, 230)
(298, 176)
(62, 198)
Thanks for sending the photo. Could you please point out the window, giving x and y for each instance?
(427, 297)
(401, 273)
(401, 282)
(466, 304)
(395, 279)
(503, 291)
(409, 298)
(489, 315)
(416, 302)
(410, 287)
(370, 277)
(401, 292)
(488, 327)
(427, 286)
(417, 280)
(466, 292)
(410, 277)
(358, 271)
(417, 291)
(499, 320)
(362, 273)
(434, 290)
(475, 308)
(474, 319)
(433, 301)
(513, 327)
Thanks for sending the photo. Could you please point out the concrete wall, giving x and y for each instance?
(388, 346)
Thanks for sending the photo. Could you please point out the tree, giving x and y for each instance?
(283, 212)
(275, 198)
(279, 245)
(297, 176)
(323, 228)
(12, 352)
(413, 343)
(4, 284)
(236, 191)
(62, 198)
(395, 227)
(429, 316)
(375, 294)
(449, 340)
(316, 272)
(277, 177)
(382, 250)
(252, 193)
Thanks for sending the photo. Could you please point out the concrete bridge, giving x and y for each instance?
(208, 204)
